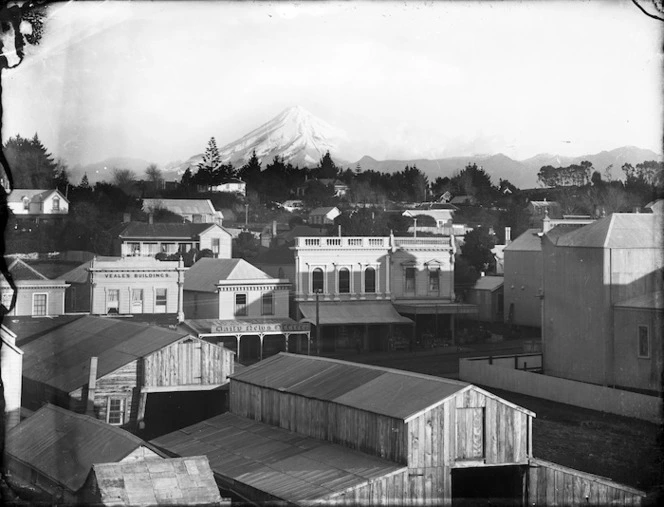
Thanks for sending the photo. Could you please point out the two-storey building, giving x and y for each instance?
(37, 203)
(365, 292)
(231, 302)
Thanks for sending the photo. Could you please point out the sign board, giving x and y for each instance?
(239, 327)
(139, 274)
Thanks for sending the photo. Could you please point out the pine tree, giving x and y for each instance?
(211, 158)
(327, 167)
(85, 184)
(31, 164)
(250, 172)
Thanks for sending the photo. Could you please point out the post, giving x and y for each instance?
(246, 215)
(317, 323)
(237, 337)
(414, 227)
(92, 386)
(260, 353)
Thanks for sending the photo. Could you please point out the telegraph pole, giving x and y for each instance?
(317, 323)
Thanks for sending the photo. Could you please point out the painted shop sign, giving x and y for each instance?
(140, 275)
(278, 327)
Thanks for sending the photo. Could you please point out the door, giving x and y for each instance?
(136, 300)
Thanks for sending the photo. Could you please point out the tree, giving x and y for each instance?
(476, 248)
(473, 180)
(154, 175)
(61, 179)
(211, 158)
(31, 163)
(326, 167)
(124, 179)
(251, 171)
(317, 194)
(85, 184)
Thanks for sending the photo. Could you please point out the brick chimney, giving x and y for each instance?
(508, 235)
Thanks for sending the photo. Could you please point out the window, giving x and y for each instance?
(134, 249)
(115, 411)
(434, 280)
(26, 203)
(410, 280)
(39, 304)
(112, 300)
(317, 282)
(216, 246)
(644, 341)
(370, 280)
(240, 305)
(268, 304)
(137, 300)
(344, 281)
(160, 298)
(197, 218)
(56, 203)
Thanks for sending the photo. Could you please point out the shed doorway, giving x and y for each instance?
(492, 485)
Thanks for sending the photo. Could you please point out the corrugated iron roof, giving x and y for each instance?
(281, 463)
(393, 393)
(206, 273)
(35, 195)
(63, 445)
(140, 230)
(490, 283)
(175, 481)
(80, 273)
(323, 210)
(619, 230)
(652, 301)
(181, 206)
(529, 241)
(22, 271)
(61, 357)
(355, 312)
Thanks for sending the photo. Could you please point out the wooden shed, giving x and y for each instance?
(111, 368)
(433, 439)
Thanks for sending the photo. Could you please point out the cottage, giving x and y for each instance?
(603, 264)
(197, 211)
(364, 434)
(34, 294)
(115, 370)
(37, 203)
(324, 215)
(230, 301)
(233, 186)
(11, 369)
(139, 239)
(487, 294)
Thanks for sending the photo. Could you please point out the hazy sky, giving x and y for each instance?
(156, 80)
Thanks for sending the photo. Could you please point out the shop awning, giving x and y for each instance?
(212, 327)
(350, 313)
(415, 307)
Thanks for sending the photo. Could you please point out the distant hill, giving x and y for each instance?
(103, 170)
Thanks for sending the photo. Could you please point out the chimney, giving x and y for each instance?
(508, 235)
(482, 273)
(339, 230)
(150, 218)
(274, 228)
(92, 386)
(126, 217)
(636, 209)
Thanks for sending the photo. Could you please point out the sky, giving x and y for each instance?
(156, 80)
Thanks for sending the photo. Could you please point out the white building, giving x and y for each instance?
(28, 202)
(234, 186)
(197, 211)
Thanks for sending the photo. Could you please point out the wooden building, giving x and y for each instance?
(69, 458)
(35, 294)
(587, 273)
(37, 203)
(487, 295)
(118, 371)
(197, 211)
(11, 369)
(365, 435)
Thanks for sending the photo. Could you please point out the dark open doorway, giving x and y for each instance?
(498, 485)
(167, 412)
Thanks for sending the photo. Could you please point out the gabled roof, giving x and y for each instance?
(436, 214)
(63, 445)
(324, 210)
(529, 241)
(490, 283)
(35, 195)
(175, 481)
(181, 206)
(619, 230)
(61, 356)
(22, 271)
(285, 465)
(651, 301)
(140, 230)
(206, 273)
(300, 231)
(393, 393)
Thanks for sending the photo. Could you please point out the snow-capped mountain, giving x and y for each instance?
(295, 134)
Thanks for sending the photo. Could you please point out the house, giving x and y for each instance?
(363, 434)
(233, 186)
(445, 197)
(34, 294)
(656, 206)
(604, 265)
(270, 232)
(293, 205)
(11, 369)
(197, 211)
(359, 289)
(54, 450)
(487, 295)
(149, 482)
(140, 239)
(287, 237)
(231, 302)
(37, 203)
(441, 217)
(539, 210)
(116, 370)
(464, 200)
(324, 215)
(340, 188)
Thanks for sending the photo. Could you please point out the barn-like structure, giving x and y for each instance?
(308, 429)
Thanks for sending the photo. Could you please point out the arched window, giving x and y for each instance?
(317, 284)
(26, 203)
(344, 281)
(370, 280)
(56, 203)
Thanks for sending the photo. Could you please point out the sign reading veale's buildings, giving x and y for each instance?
(165, 274)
